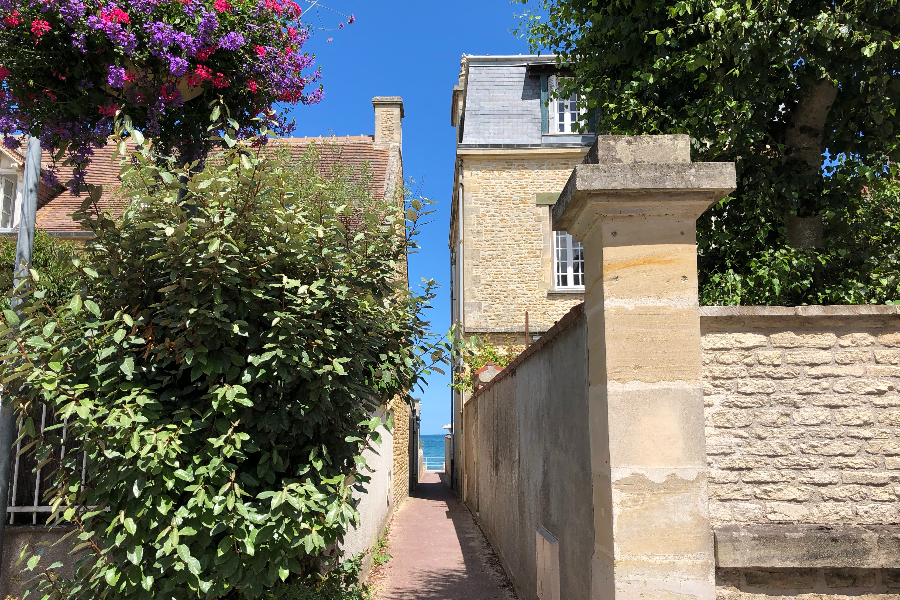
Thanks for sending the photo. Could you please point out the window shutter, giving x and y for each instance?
(545, 111)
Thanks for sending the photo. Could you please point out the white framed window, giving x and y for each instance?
(568, 262)
(7, 201)
(564, 114)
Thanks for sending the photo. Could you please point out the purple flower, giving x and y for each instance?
(191, 9)
(207, 27)
(178, 66)
(116, 78)
(78, 41)
(231, 41)
(71, 11)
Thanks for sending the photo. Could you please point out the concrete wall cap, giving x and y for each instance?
(620, 190)
(856, 310)
(791, 545)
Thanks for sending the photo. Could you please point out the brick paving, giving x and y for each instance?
(438, 552)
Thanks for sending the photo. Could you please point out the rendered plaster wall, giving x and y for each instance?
(377, 502)
(529, 462)
(508, 244)
(14, 582)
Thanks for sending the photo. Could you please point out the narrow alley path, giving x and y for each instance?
(438, 552)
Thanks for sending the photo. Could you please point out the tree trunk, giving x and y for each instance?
(803, 146)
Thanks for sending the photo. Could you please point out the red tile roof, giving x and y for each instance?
(55, 216)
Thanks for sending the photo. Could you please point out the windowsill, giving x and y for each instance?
(565, 291)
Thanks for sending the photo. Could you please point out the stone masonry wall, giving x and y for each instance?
(810, 584)
(401, 451)
(508, 257)
(803, 417)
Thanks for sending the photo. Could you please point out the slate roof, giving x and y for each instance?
(54, 214)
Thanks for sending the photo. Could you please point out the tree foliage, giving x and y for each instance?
(773, 86)
(226, 361)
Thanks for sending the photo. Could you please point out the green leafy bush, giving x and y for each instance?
(342, 583)
(52, 257)
(858, 265)
(226, 361)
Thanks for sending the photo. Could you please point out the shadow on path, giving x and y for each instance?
(438, 552)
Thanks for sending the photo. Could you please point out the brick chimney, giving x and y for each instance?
(388, 114)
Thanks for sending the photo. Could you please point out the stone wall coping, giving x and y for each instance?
(794, 545)
(860, 310)
(563, 324)
(632, 189)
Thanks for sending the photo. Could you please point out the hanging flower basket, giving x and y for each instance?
(68, 66)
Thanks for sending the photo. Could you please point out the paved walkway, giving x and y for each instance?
(438, 552)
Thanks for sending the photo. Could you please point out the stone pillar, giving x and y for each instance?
(634, 204)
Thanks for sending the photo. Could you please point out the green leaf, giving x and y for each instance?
(130, 525)
(135, 555)
(127, 366)
(92, 307)
(12, 319)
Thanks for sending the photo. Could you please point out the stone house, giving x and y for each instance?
(515, 149)
(395, 463)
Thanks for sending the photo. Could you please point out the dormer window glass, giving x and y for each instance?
(564, 111)
(7, 200)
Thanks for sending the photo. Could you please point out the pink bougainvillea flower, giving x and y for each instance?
(12, 20)
(329, 40)
(204, 53)
(222, 6)
(39, 27)
(109, 111)
(252, 86)
(4, 73)
(116, 15)
(351, 20)
(260, 51)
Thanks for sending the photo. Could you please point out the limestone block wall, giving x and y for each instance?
(507, 241)
(803, 416)
(803, 445)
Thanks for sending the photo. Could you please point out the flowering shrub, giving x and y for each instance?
(68, 66)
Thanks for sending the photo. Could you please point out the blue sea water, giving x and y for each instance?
(433, 448)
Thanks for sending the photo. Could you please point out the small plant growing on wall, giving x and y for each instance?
(475, 354)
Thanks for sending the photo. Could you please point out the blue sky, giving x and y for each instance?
(410, 49)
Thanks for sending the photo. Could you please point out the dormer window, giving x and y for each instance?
(561, 115)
